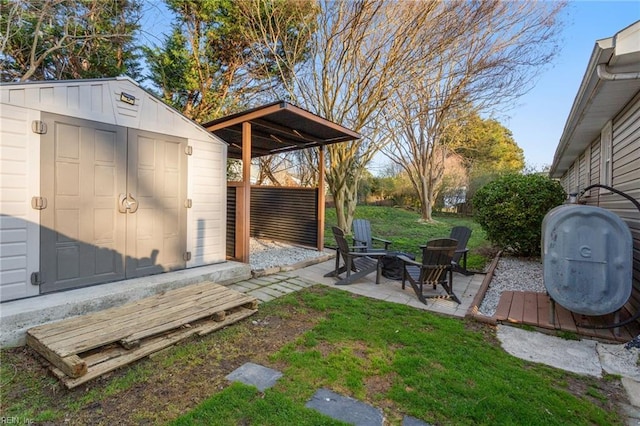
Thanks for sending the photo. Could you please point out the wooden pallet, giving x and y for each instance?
(88, 346)
(526, 307)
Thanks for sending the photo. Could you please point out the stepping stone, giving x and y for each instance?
(255, 375)
(412, 421)
(345, 409)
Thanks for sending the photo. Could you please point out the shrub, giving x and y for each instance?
(511, 208)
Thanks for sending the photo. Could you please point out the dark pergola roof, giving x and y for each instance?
(276, 128)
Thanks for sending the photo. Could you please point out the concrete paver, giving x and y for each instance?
(255, 375)
(346, 409)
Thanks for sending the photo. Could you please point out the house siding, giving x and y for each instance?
(626, 178)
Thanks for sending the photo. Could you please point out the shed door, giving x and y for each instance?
(115, 203)
(82, 236)
(156, 232)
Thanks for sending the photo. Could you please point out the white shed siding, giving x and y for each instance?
(100, 100)
(19, 223)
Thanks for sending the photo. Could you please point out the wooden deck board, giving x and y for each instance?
(534, 309)
(517, 307)
(123, 314)
(504, 305)
(88, 346)
(154, 344)
(98, 330)
(530, 311)
(156, 321)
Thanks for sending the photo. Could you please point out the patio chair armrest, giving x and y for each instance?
(382, 240)
(464, 250)
(365, 253)
(406, 260)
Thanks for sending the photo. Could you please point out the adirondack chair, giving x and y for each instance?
(462, 234)
(435, 269)
(362, 236)
(357, 264)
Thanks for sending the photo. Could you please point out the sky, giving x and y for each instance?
(536, 119)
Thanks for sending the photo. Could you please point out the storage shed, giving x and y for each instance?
(100, 181)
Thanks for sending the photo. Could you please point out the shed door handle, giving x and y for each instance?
(132, 204)
(126, 202)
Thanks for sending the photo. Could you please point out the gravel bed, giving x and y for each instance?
(268, 254)
(512, 274)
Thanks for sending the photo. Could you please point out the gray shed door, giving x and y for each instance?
(156, 232)
(113, 203)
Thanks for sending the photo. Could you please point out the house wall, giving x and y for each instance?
(626, 178)
(102, 101)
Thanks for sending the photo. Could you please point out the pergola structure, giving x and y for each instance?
(274, 128)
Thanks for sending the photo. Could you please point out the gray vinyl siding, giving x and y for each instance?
(595, 166)
(626, 178)
(569, 179)
(583, 178)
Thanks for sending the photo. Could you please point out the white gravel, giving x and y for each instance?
(512, 274)
(268, 254)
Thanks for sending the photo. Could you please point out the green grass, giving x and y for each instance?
(407, 233)
(430, 367)
(403, 360)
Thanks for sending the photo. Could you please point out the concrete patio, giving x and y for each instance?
(268, 287)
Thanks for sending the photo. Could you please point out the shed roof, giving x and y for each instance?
(276, 128)
(114, 100)
(603, 93)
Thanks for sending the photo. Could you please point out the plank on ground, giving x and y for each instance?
(167, 297)
(71, 327)
(530, 311)
(153, 345)
(565, 320)
(159, 320)
(175, 323)
(543, 311)
(97, 334)
(517, 307)
(71, 365)
(504, 306)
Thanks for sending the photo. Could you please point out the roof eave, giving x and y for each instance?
(584, 122)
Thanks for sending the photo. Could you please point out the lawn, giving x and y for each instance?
(402, 360)
(407, 233)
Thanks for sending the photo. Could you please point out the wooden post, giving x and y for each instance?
(244, 225)
(321, 200)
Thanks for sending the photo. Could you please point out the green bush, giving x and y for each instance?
(511, 208)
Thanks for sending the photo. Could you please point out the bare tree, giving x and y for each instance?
(491, 56)
(361, 51)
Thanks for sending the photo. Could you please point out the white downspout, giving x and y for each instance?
(605, 74)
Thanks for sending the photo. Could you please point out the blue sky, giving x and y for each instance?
(536, 119)
(539, 117)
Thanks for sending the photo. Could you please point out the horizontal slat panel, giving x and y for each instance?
(285, 214)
